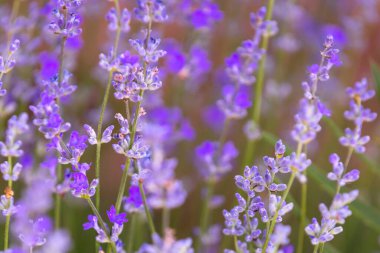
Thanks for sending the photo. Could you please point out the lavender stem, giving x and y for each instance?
(104, 104)
(147, 212)
(258, 91)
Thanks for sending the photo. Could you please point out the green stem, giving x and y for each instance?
(104, 104)
(8, 217)
(165, 219)
(205, 214)
(101, 222)
(302, 218)
(346, 162)
(133, 130)
(131, 233)
(258, 91)
(147, 212)
(99, 137)
(58, 200)
(123, 184)
(6, 233)
(322, 248)
(273, 223)
(316, 247)
(236, 244)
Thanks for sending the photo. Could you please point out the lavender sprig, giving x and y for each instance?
(11, 149)
(307, 125)
(269, 27)
(338, 211)
(215, 158)
(137, 80)
(243, 219)
(115, 23)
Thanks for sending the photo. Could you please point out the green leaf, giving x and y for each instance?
(375, 69)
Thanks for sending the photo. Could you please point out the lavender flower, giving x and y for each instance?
(17, 126)
(167, 245)
(150, 11)
(243, 219)
(358, 114)
(66, 21)
(215, 161)
(338, 211)
(311, 108)
(7, 63)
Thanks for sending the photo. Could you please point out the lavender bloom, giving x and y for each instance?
(138, 150)
(47, 117)
(251, 207)
(358, 114)
(106, 136)
(7, 206)
(215, 161)
(338, 170)
(17, 126)
(80, 187)
(149, 52)
(66, 21)
(241, 66)
(58, 89)
(163, 190)
(93, 223)
(72, 151)
(206, 15)
(35, 232)
(125, 19)
(150, 11)
(167, 245)
(134, 202)
(311, 108)
(118, 220)
(280, 236)
(7, 63)
(9, 173)
(322, 233)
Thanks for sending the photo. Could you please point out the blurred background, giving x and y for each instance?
(192, 74)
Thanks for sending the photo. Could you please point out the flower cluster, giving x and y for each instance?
(243, 219)
(117, 221)
(241, 65)
(336, 214)
(358, 114)
(7, 63)
(311, 109)
(66, 21)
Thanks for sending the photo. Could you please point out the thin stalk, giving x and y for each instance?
(273, 223)
(322, 248)
(205, 213)
(147, 212)
(165, 219)
(99, 137)
(8, 217)
(346, 162)
(131, 233)
(102, 223)
(123, 184)
(104, 104)
(133, 130)
(302, 224)
(236, 244)
(258, 91)
(316, 247)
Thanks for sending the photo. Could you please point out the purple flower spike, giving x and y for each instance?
(119, 219)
